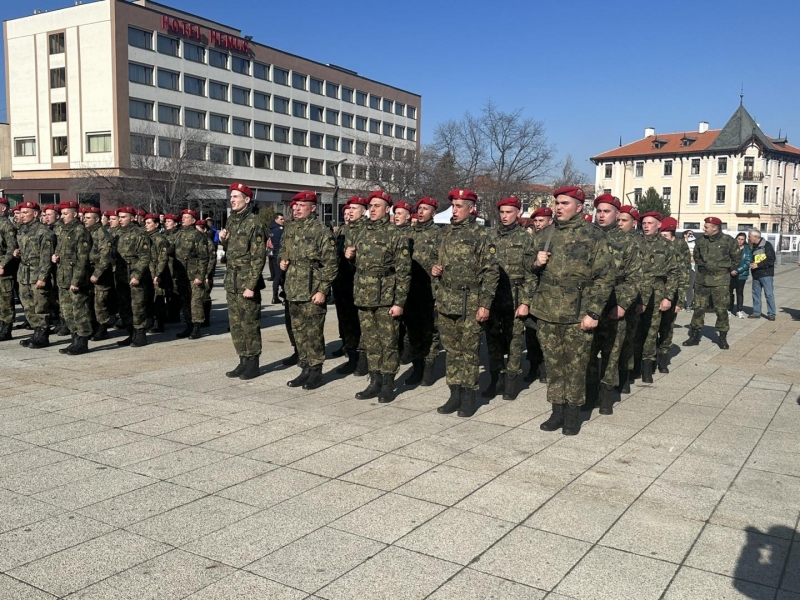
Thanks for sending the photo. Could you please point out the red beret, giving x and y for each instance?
(172, 217)
(668, 224)
(140, 212)
(47, 207)
(544, 211)
(305, 196)
(631, 211)
(110, 213)
(151, 216)
(587, 217)
(69, 204)
(3, 201)
(714, 221)
(654, 214)
(382, 195)
(607, 199)
(510, 201)
(356, 201)
(126, 209)
(202, 223)
(189, 211)
(573, 191)
(28, 204)
(414, 216)
(462, 195)
(15, 208)
(427, 200)
(91, 209)
(402, 204)
(240, 187)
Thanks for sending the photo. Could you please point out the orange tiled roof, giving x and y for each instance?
(672, 145)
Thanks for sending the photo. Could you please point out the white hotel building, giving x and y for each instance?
(89, 84)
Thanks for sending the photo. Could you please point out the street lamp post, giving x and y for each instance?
(332, 169)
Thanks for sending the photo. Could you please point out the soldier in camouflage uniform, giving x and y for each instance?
(576, 272)
(8, 270)
(51, 217)
(35, 274)
(609, 336)
(660, 275)
(162, 283)
(716, 254)
(504, 331)
(71, 256)
(423, 334)
(171, 229)
(191, 270)
(208, 284)
(245, 241)
(383, 276)
(132, 273)
(467, 275)
(683, 257)
(627, 219)
(401, 216)
(346, 311)
(308, 257)
(542, 217)
(102, 273)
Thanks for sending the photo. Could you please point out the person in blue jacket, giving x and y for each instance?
(739, 276)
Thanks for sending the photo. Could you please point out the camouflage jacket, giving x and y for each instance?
(169, 235)
(383, 265)
(191, 254)
(132, 254)
(715, 256)
(343, 285)
(512, 244)
(36, 245)
(628, 267)
(73, 246)
(158, 254)
(101, 255)
(311, 251)
(660, 271)
(211, 249)
(424, 247)
(579, 276)
(245, 251)
(684, 258)
(469, 269)
(8, 243)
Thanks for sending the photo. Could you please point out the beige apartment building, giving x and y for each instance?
(737, 173)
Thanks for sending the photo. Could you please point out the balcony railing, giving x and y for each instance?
(749, 176)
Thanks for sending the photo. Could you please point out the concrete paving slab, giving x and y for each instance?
(246, 586)
(694, 584)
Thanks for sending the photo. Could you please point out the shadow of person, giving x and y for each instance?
(762, 562)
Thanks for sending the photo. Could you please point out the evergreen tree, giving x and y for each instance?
(651, 201)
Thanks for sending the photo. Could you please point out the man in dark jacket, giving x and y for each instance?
(763, 270)
(275, 235)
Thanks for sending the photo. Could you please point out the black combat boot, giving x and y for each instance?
(386, 394)
(62, 329)
(195, 335)
(314, 378)
(42, 340)
(533, 372)
(128, 340)
(694, 338)
(71, 345)
(5, 332)
(340, 351)
(469, 404)
(374, 387)
(416, 375)
(723, 340)
(624, 381)
(24, 325)
(362, 366)
(592, 396)
(636, 373)
(349, 367)
(647, 371)
(81, 346)
(206, 313)
(238, 370)
(250, 370)
(663, 362)
(158, 326)
(491, 391)
(572, 420)
(511, 389)
(542, 373)
(300, 379)
(607, 397)
(187, 331)
(405, 355)
(427, 373)
(100, 333)
(556, 419)
(139, 338)
(453, 403)
(291, 360)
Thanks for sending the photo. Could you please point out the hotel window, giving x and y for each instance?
(667, 168)
(691, 224)
(98, 142)
(58, 112)
(331, 143)
(794, 197)
(261, 71)
(196, 151)
(168, 45)
(240, 65)
(25, 147)
(261, 160)
(399, 132)
(315, 167)
(331, 90)
(666, 194)
(261, 100)
(694, 194)
(316, 113)
(194, 53)
(219, 154)
(218, 59)
(795, 171)
(387, 105)
(399, 154)
(58, 78)
(347, 146)
(411, 135)
(767, 165)
(299, 109)
(241, 158)
(775, 227)
(261, 131)
(140, 39)
(169, 115)
(241, 127)
(720, 197)
(240, 96)
(194, 119)
(347, 171)
(56, 42)
(387, 152)
(637, 195)
(361, 98)
(374, 126)
(218, 91)
(60, 145)
(316, 140)
(169, 80)
(750, 194)
(299, 137)
(194, 85)
(399, 109)
(361, 148)
(49, 199)
(281, 77)
(778, 196)
(331, 117)
(347, 95)
(281, 163)
(766, 195)
(280, 105)
(299, 165)
(281, 134)
(143, 144)
(361, 172)
(722, 165)
(168, 148)
(218, 123)
(298, 81)
(374, 150)
(639, 169)
(347, 121)
(695, 169)
(361, 123)
(316, 86)
(374, 101)
(608, 170)
(411, 112)
(387, 129)
(141, 109)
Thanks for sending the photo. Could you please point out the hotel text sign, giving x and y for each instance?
(208, 36)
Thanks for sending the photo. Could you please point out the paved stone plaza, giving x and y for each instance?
(146, 473)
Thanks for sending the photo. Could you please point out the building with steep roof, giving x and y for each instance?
(737, 173)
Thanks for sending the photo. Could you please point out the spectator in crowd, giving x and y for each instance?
(689, 238)
(273, 248)
(739, 276)
(763, 271)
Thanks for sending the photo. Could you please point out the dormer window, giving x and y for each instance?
(658, 144)
(687, 141)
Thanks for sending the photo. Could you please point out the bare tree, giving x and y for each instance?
(570, 174)
(392, 169)
(787, 210)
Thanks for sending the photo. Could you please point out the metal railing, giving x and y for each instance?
(749, 176)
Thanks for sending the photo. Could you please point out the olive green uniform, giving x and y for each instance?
(73, 248)
(715, 256)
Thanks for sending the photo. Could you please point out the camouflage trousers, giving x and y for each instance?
(6, 299)
(102, 303)
(626, 356)
(36, 303)
(308, 324)
(504, 336)
(461, 339)
(76, 311)
(287, 319)
(649, 323)
(349, 326)
(666, 329)
(244, 317)
(380, 336)
(566, 352)
(535, 355)
(421, 325)
(191, 301)
(608, 339)
(133, 303)
(719, 296)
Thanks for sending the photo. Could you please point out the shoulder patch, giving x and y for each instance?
(652, 259)
(492, 249)
(332, 241)
(85, 244)
(405, 252)
(258, 238)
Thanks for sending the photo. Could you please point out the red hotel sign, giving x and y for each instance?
(195, 32)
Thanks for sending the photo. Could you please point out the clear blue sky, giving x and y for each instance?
(591, 71)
